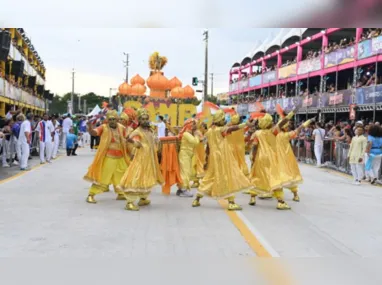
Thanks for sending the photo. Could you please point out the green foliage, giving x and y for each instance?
(59, 103)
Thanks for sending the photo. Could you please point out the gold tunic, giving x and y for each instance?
(199, 158)
(237, 144)
(186, 153)
(287, 160)
(144, 171)
(265, 173)
(223, 176)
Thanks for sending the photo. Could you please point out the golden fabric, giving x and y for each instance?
(235, 119)
(265, 122)
(198, 160)
(112, 172)
(111, 114)
(186, 153)
(144, 171)
(237, 144)
(357, 149)
(223, 176)
(170, 167)
(265, 173)
(96, 168)
(218, 116)
(286, 158)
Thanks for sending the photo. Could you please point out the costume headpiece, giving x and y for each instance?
(235, 119)
(112, 114)
(219, 116)
(187, 126)
(265, 122)
(141, 112)
(124, 116)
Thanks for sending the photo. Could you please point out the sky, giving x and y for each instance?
(91, 36)
(97, 54)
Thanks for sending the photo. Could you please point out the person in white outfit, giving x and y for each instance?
(7, 143)
(67, 124)
(24, 141)
(46, 135)
(318, 137)
(374, 152)
(56, 140)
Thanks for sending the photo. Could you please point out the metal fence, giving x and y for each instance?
(334, 154)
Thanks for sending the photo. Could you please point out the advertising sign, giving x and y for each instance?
(309, 65)
(340, 56)
(255, 81)
(269, 76)
(367, 95)
(287, 71)
(370, 47)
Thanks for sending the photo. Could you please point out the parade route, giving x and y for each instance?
(44, 214)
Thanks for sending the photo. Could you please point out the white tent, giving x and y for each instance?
(95, 111)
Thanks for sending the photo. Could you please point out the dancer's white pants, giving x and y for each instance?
(25, 151)
(56, 144)
(357, 171)
(318, 153)
(46, 149)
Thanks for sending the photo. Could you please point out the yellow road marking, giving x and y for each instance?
(250, 238)
(21, 173)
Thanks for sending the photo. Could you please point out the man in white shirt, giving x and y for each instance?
(24, 141)
(46, 136)
(318, 136)
(67, 124)
(161, 126)
(56, 140)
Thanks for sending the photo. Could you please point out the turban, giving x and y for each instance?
(141, 112)
(187, 127)
(112, 114)
(235, 119)
(124, 116)
(265, 122)
(219, 116)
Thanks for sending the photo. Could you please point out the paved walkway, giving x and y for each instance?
(44, 214)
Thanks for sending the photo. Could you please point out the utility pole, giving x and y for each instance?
(205, 34)
(85, 111)
(72, 95)
(127, 67)
(79, 103)
(212, 84)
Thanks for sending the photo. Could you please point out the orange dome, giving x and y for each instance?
(124, 89)
(138, 90)
(177, 92)
(137, 79)
(157, 82)
(175, 82)
(188, 92)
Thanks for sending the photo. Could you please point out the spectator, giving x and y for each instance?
(24, 141)
(71, 143)
(318, 137)
(374, 151)
(356, 155)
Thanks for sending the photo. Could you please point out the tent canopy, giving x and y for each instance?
(95, 111)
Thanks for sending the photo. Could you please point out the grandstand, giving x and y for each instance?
(331, 72)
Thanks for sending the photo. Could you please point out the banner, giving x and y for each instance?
(310, 101)
(242, 109)
(222, 96)
(340, 98)
(370, 47)
(352, 112)
(287, 71)
(269, 77)
(309, 65)
(367, 95)
(340, 56)
(255, 81)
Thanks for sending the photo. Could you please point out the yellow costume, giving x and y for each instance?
(186, 154)
(111, 160)
(266, 174)
(223, 176)
(144, 171)
(236, 141)
(199, 158)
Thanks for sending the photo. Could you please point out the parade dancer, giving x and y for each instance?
(223, 176)
(111, 160)
(285, 155)
(144, 171)
(265, 173)
(236, 141)
(186, 154)
(199, 159)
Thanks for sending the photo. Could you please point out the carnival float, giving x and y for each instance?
(165, 97)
